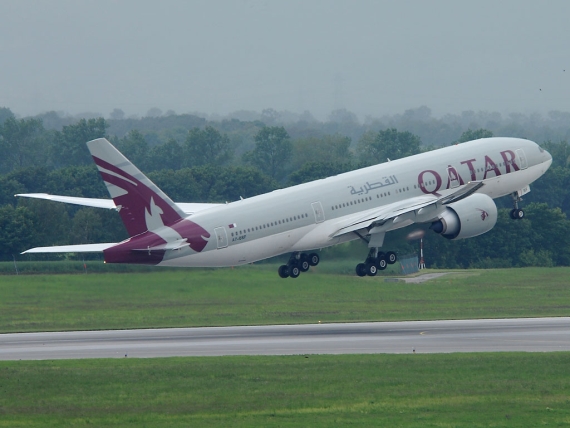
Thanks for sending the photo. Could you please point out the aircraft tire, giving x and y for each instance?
(371, 269)
(283, 271)
(391, 257)
(381, 263)
(314, 259)
(518, 214)
(361, 269)
(304, 265)
(294, 271)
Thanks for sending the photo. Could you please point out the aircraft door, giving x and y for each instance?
(221, 237)
(522, 159)
(319, 213)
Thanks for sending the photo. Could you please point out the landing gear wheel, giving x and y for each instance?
(314, 259)
(283, 271)
(517, 214)
(361, 269)
(304, 265)
(294, 272)
(382, 263)
(391, 257)
(371, 269)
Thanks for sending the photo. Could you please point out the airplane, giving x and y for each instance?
(451, 189)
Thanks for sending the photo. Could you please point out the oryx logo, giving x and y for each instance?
(484, 214)
(145, 208)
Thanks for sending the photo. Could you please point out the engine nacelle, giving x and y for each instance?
(469, 217)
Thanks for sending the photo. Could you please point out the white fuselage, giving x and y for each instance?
(306, 216)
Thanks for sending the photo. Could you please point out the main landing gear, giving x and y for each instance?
(298, 262)
(375, 261)
(516, 213)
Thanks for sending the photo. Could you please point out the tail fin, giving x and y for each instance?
(141, 204)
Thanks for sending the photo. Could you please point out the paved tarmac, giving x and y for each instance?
(522, 334)
(423, 278)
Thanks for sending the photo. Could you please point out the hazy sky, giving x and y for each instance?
(219, 56)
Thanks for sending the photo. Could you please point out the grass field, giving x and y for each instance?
(450, 390)
(254, 295)
(461, 390)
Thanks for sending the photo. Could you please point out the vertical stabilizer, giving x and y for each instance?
(141, 204)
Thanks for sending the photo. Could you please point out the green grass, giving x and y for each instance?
(254, 295)
(454, 390)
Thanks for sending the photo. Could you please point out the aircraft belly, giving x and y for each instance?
(242, 253)
(508, 183)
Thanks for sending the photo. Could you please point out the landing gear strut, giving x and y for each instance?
(516, 213)
(375, 261)
(298, 262)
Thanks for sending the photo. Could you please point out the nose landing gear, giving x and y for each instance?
(298, 262)
(516, 213)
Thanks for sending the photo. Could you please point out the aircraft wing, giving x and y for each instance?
(84, 248)
(399, 214)
(187, 208)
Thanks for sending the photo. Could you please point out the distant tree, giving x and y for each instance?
(272, 151)
(135, 148)
(82, 181)
(86, 226)
(316, 170)
(270, 115)
(69, 146)
(553, 188)
(5, 113)
(51, 221)
(235, 182)
(471, 135)
(117, 114)
(560, 152)
(550, 232)
(343, 116)
(388, 144)
(21, 143)
(420, 114)
(166, 156)
(180, 185)
(32, 179)
(307, 117)
(17, 230)
(326, 149)
(207, 147)
(154, 112)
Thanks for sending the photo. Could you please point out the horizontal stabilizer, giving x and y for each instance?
(88, 202)
(187, 207)
(84, 248)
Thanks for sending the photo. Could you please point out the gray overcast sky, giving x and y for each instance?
(219, 56)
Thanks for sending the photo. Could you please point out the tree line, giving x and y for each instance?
(204, 164)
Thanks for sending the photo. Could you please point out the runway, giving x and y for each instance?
(490, 335)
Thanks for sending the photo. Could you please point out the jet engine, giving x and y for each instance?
(469, 217)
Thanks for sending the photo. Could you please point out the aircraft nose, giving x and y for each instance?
(547, 158)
